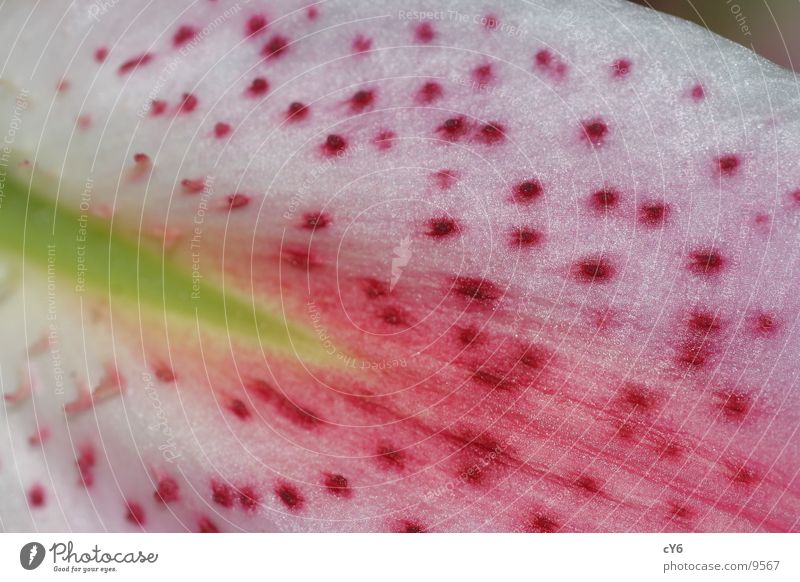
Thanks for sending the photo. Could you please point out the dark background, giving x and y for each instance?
(773, 25)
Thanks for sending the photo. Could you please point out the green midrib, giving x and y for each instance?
(34, 229)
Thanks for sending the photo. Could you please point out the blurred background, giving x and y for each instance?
(769, 27)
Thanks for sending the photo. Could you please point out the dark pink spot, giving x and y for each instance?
(193, 186)
(334, 145)
(543, 58)
(445, 179)
(534, 357)
(468, 335)
(593, 270)
(36, 496)
(636, 397)
(743, 475)
(483, 75)
(157, 107)
(521, 237)
(477, 289)
(394, 316)
(237, 200)
(693, 353)
(188, 103)
(472, 474)
(728, 164)
(337, 485)
(362, 100)
(629, 430)
(183, 35)
(390, 458)
(296, 111)
(164, 374)
(101, 54)
(595, 131)
(453, 128)
(411, 527)
(135, 62)
(490, 22)
(761, 220)
(653, 214)
(135, 513)
(297, 415)
(205, 525)
(734, 405)
(549, 64)
(442, 227)
(679, 511)
(222, 494)
(527, 191)
(275, 47)
(587, 483)
(671, 450)
(239, 409)
(706, 262)
(541, 523)
(491, 379)
(604, 199)
(491, 133)
(312, 12)
(86, 458)
(424, 32)
(621, 68)
(289, 496)
(764, 324)
(374, 288)
(430, 92)
(703, 323)
(255, 24)
(221, 129)
(167, 490)
(697, 92)
(258, 87)
(315, 220)
(361, 44)
(385, 139)
(86, 462)
(248, 498)
(142, 167)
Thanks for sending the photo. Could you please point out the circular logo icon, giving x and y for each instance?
(31, 555)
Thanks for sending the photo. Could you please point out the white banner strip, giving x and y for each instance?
(356, 557)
